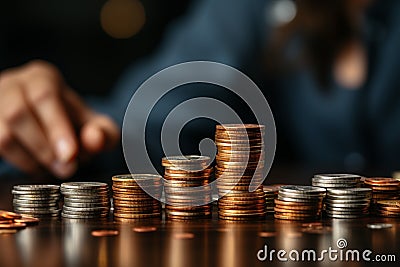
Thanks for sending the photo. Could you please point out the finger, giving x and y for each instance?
(99, 133)
(43, 94)
(17, 116)
(14, 153)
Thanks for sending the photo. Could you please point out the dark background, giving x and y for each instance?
(68, 33)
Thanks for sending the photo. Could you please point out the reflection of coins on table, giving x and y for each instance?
(186, 188)
(130, 199)
(36, 200)
(85, 200)
(348, 203)
(240, 161)
(297, 202)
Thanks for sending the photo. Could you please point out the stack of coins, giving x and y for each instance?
(186, 187)
(240, 163)
(348, 203)
(85, 200)
(383, 188)
(131, 202)
(271, 193)
(336, 180)
(37, 200)
(296, 202)
(388, 208)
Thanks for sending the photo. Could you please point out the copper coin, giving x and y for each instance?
(27, 220)
(183, 236)
(9, 215)
(13, 225)
(144, 229)
(267, 234)
(101, 233)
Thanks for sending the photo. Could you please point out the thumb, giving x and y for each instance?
(98, 133)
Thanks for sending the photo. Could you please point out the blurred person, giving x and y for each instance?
(328, 69)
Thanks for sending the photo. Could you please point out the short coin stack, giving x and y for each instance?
(383, 188)
(271, 193)
(187, 190)
(131, 202)
(336, 180)
(388, 208)
(37, 200)
(348, 203)
(85, 200)
(296, 202)
(240, 163)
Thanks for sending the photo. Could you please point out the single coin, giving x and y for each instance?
(101, 233)
(267, 234)
(183, 236)
(13, 225)
(379, 225)
(144, 229)
(27, 220)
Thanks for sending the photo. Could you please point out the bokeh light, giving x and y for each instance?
(122, 19)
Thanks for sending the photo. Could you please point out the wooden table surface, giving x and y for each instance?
(210, 242)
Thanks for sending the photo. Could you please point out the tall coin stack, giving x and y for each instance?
(348, 203)
(336, 180)
(37, 200)
(187, 193)
(240, 162)
(85, 200)
(297, 202)
(131, 202)
(382, 189)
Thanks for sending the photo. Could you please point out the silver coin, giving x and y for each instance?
(349, 191)
(302, 196)
(37, 187)
(332, 176)
(302, 200)
(379, 225)
(301, 189)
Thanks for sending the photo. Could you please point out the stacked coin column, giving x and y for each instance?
(383, 190)
(85, 200)
(240, 160)
(296, 202)
(187, 193)
(130, 199)
(348, 203)
(37, 200)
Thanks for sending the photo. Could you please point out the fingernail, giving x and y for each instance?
(64, 170)
(64, 150)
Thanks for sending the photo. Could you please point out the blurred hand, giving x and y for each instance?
(45, 125)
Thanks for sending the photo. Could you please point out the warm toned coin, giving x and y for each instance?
(9, 215)
(390, 203)
(144, 229)
(103, 233)
(14, 225)
(27, 220)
